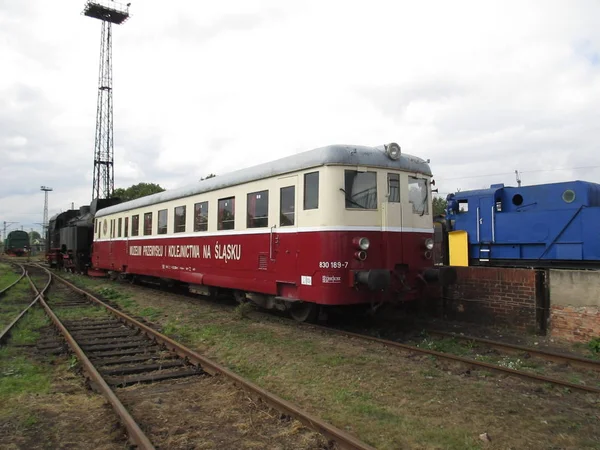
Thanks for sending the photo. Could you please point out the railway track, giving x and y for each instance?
(473, 363)
(572, 361)
(560, 358)
(116, 350)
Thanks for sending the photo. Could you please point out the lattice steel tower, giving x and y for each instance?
(108, 12)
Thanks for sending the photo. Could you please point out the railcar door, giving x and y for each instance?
(111, 248)
(285, 239)
(485, 219)
(485, 216)
(391, 209)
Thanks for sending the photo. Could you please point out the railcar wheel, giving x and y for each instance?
(304, 312)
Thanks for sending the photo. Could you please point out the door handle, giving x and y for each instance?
(271, 244)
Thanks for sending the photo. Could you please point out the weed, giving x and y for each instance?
(594, 345)
(73, 362)
(30, 421)
(151, 313)
(109, 293)
(430, 373)
(449, 345)
(243, 309)
(510, 363)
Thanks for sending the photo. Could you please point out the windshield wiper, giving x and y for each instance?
(352, 201)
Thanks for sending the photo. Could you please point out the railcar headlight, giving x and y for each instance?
(360, 255)
(429, 244)
(393, 151)
(364, 243)
(361, 243)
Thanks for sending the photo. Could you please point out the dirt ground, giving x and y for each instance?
(208, 413)
(65, 415)
(389, 399)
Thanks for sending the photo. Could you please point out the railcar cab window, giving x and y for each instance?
(179, 219)
(360, 189)
(311, 190)
(126, 230)
(120, 227)
(287, 206)
(162, 222)
(201, 216)
(417, 195)
(226, 214)
(147, 224)
(393, 187)
(258, 209)
(135, 225)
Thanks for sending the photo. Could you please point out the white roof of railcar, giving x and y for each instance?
(348, 155)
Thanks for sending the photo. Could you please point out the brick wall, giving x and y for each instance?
(575, 312)
(575, 323)
(496, 296)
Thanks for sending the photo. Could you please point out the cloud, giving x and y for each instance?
(480, 88)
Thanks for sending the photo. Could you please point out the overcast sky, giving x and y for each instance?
(480, 88)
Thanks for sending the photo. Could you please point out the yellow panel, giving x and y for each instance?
(458, 245)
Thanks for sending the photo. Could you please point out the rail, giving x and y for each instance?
(467, 361)
(574, 361)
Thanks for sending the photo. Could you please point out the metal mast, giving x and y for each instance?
(46, 189)
(108, 12)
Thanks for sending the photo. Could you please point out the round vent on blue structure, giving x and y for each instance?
(517, 199)
(568, 196)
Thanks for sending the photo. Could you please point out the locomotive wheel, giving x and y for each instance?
(304, 312)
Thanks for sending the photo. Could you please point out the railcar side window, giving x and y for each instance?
(147, 224)
(120, 227)
(393, 187)
(417, 195)
(112, 222)
(361, 189)
(226, 214)
(135, 225)
(162, 221)
(201, 216)
(287, 206)
(126, 230)
(311, 190)
(98, 229)
(179, 220)
(258, 209)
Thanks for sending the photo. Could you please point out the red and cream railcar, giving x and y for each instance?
(338, 225)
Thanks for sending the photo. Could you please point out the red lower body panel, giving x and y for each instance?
(318, 267)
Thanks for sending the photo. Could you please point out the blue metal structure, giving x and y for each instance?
(547, 224)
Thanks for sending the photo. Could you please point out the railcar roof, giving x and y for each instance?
(349, 155)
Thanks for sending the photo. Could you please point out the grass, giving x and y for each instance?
(20, 374)
(29, 333)
(7, 275)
